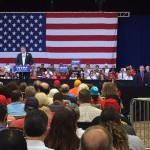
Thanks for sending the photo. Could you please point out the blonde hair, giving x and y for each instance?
(42, 99)
(47, 111)
(108, 88)
(119, 135)
(82, 86)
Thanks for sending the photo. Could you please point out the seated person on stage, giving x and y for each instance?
(24, 59)
(48, 73)
(16, 108)
(128, 76)
(122, 74)
(92, 75)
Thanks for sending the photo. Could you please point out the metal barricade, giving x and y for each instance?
(140, 118)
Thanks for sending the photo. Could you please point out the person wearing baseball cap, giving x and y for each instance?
(74, 90)
(30, 104)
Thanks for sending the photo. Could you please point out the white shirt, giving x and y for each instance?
(36, 145)
(79, 132)
(92, 77)
(122, 75)
(135, 143)
(88, 112)
(128, 78)
(48, 74)
(23, 58)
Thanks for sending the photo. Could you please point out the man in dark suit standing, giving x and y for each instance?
(24, 59)
(141, 78)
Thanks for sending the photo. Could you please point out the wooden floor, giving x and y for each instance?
(143, 131)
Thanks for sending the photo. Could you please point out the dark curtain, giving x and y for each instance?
(133, 47)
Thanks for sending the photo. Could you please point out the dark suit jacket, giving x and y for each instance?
(28, 60)
(138, 79)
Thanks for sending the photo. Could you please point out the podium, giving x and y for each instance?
(21, 69)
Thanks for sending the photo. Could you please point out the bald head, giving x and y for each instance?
(44, 87)
(96, 138)
(64, 88)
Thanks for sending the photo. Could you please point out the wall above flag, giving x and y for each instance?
(60, 37)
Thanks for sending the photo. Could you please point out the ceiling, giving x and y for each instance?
(134, 6)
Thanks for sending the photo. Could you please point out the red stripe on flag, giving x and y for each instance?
(64, 61)
(82, 38)
(81, 26)
(81, 49)
(81, 14)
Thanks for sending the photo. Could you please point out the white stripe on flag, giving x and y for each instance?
(82, 32)
(81, 20)
(65, 55)
(81, 43)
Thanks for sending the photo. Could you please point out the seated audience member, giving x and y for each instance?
(42, 99)
(111, 118)
(63, 123)
(55, 76)
(44, 87)
(74, 90)
(119, 136)
(16, 108)
(3, 117)
(22, 88)
(3, 100)
(11, 139)
(108, 88)
(35, 127)
(94, 91)
(128, 76)
(30, 104)
(64, 89)
(82, 86)
(2, 73)
(30, 91)
(96, 138)
(75, 111)
(12, 86)
(52, 92)
(87, 112)
(57, 84)
(122, 74)
(57, 102)
(36, 85)
(48, 113)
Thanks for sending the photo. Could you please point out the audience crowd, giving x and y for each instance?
(35, 117)
(71, 72)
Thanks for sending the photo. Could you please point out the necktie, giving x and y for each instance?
(142, 75)
(122, 76)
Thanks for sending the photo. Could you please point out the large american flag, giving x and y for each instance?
(60, 37)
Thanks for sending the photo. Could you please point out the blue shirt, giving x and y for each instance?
(16, 109)
(2, 128)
